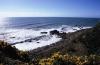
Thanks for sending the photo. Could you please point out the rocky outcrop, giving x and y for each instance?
(54, 32)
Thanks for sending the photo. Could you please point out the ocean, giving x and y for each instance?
(25, 33)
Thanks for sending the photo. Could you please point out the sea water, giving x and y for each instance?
(16, 30)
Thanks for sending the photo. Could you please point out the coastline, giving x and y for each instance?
(28, 39)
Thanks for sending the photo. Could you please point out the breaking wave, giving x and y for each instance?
(28, 39)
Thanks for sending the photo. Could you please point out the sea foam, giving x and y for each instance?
(19, 36)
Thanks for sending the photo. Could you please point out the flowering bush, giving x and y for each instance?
(59, 59)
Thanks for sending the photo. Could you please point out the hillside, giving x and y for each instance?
(82, 42)
(79, 44)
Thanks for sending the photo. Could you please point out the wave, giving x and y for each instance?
(28, 39)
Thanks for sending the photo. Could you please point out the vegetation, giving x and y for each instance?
(11, 56)
(59, 59)
(77, 48)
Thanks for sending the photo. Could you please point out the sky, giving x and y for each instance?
(50, 8)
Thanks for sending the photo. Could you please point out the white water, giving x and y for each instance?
(17, 35)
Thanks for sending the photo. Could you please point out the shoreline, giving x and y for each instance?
(25, 37)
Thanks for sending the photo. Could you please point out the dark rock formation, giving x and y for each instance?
(54, 32)
(44, 32)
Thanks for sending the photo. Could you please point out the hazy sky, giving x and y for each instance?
(52, 8)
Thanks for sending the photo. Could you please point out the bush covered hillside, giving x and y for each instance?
(11, 56)
(78, 48)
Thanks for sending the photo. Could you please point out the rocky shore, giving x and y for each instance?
(82, 42)
(79, 45)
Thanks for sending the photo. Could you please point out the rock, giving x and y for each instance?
(54, 32)
(28, 40)
(12, 37)
(63, 35)
(44, 32)
(38, 42)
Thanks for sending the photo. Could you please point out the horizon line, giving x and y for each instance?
(50, 16)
